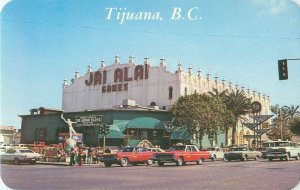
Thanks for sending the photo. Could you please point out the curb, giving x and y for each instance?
(64, 163)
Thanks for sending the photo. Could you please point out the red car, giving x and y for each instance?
(180, 154)
(133, 155)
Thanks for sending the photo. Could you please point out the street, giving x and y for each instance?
(260, 174)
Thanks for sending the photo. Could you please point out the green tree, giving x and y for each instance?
(291, 112)
(281, 126)
(239, 105)
(227, 116)
(201, 114)
(295, 126)
(275, 133)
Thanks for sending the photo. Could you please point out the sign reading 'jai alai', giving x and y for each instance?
(121, 78)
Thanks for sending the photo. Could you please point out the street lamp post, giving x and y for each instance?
(279, 120)
(169, 128)
(104, 130)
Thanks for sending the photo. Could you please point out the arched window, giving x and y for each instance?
(241, 137)
(185, 91)
(170, 93)
(152, 104)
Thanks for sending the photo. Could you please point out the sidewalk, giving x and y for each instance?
(66, 163)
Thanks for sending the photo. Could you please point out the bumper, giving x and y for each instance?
(276, 156)
(233, 157)
(164, 159)
(112, 160)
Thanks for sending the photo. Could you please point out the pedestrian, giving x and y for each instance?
(72, 157)
(79, 156)
(89, 155)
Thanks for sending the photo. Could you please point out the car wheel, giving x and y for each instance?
(16, 161)
(179, 161)
(213, 158)
(149, 162)
(256, 157)
(287, 158)
(297, 157)
(200, 161)
(244, 158)
(33, 162)
(107, 164)
(270, 159)
(161, 163)
(124, 162)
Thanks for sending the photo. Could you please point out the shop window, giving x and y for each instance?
(144, 134)
(133, 133)
(154, 133)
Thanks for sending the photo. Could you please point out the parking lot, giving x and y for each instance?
(260, 174)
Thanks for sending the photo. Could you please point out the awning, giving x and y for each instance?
(113, 135)
(145, 123)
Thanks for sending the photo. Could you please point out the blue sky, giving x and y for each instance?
(45, 41)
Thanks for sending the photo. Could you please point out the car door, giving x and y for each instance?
(10, 154)
(251, 153)
(195, 154)
(186, 154)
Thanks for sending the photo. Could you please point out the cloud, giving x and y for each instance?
(273, 6)
(3, 3)
(297, 2)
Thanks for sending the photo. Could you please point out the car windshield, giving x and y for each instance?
(276, 144)
(177, 148)
(128, 149)
(211, 149)
(239, 149)
(26, 151)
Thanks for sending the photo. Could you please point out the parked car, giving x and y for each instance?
(133, 155)
(4, 145)
(263, 151)
(216, 153)
(2, 150)
(282, 150)
(180, 154)
(242, 153)
(18, 156)
(155, 150)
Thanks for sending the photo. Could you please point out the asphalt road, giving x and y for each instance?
(260, 174)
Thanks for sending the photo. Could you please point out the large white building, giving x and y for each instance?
(144, 85)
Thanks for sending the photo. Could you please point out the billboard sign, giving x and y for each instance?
(88, 120)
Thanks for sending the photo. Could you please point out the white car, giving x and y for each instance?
(2, 151)
(4, 145)
(216, 153)
(18, 156)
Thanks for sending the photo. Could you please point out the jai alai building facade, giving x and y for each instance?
(133, 99)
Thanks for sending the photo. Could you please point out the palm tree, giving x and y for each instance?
(227, 115)
(239, 105)
(291, 112)
(216, 94)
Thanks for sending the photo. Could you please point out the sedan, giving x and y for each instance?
(18, 156)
